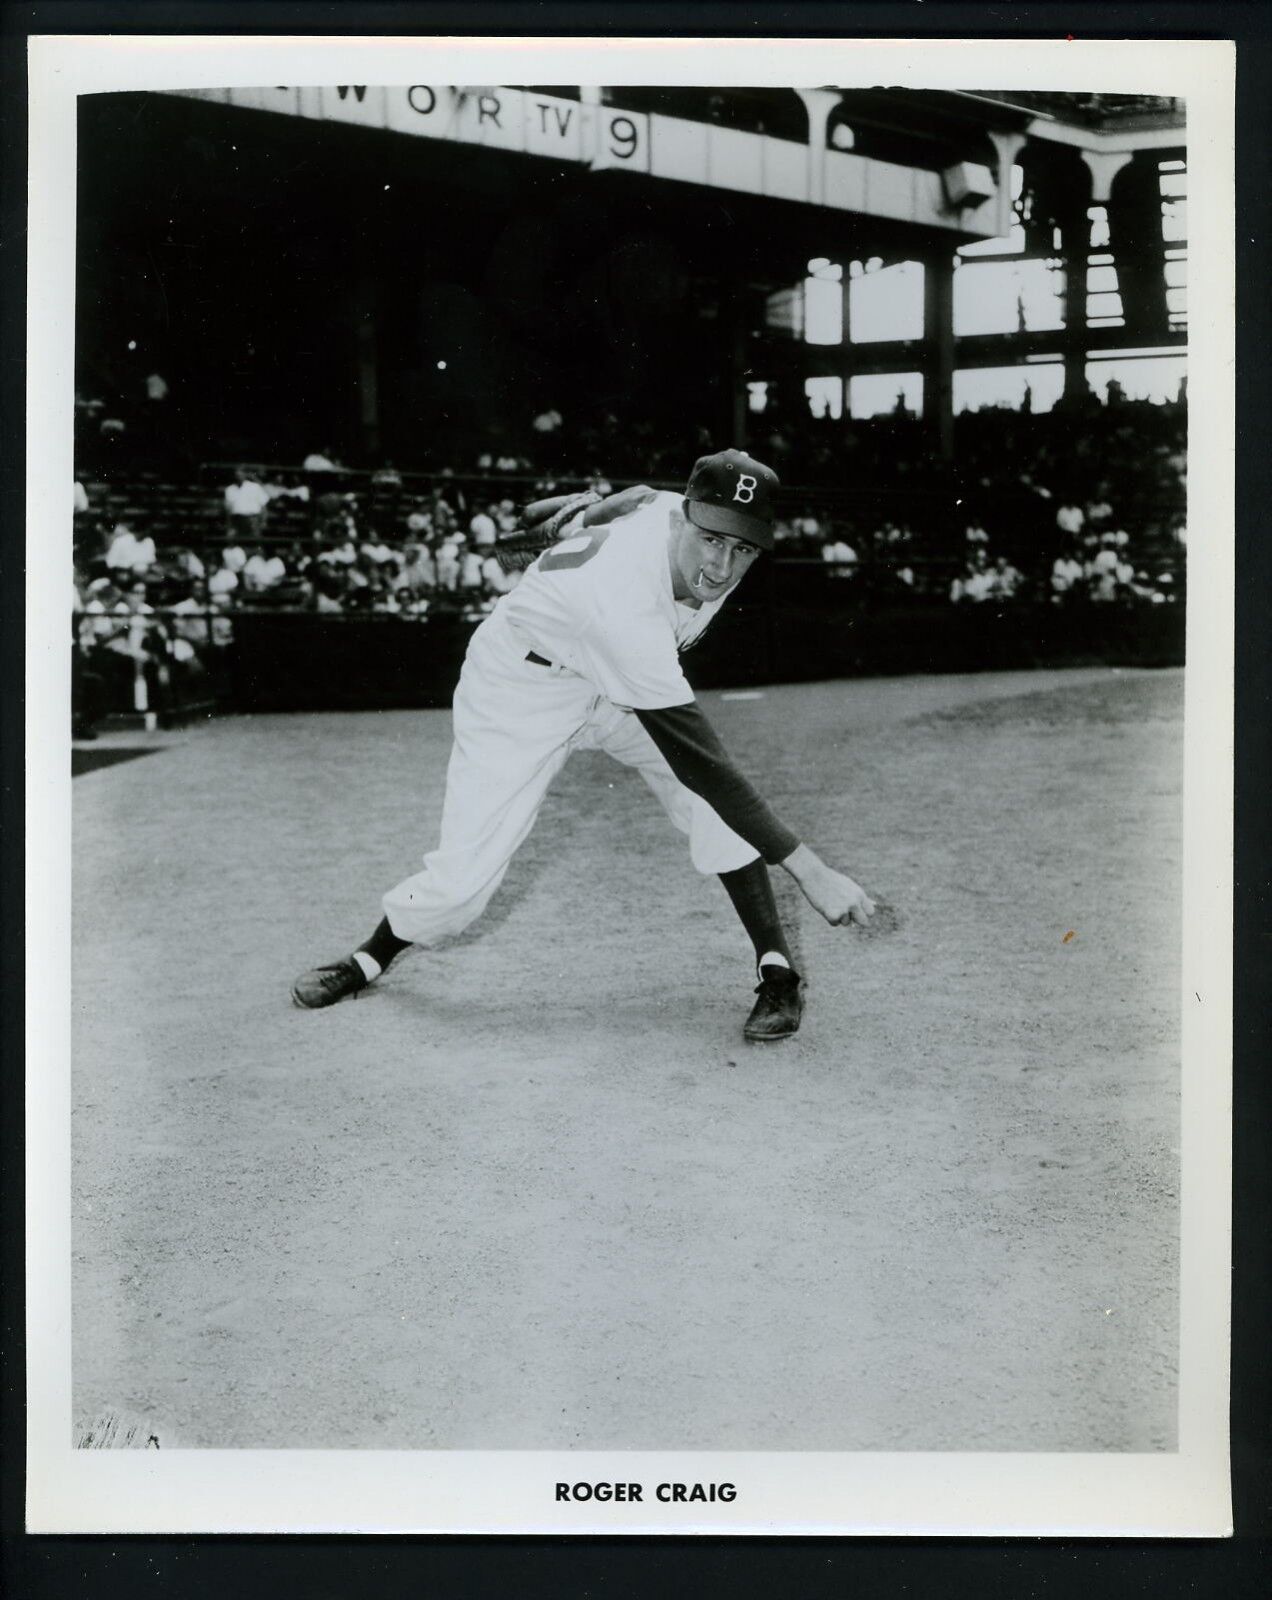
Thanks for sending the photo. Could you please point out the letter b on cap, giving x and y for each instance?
(745, 491)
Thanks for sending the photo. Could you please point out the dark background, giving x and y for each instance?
(35, 1568)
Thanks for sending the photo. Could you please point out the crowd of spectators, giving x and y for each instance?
(1095, 562)
(997, 449)
(1076, 506)
(150, 620)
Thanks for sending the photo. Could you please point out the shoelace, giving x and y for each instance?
(332, 977)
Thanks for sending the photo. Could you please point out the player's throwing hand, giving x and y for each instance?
(835, 895)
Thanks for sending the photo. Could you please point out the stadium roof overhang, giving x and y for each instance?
(907, 184)
(1103, 124)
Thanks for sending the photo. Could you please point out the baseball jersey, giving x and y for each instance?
(601, 603)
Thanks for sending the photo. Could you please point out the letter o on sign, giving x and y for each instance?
(422, 90)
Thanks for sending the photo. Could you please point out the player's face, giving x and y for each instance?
(705, 566)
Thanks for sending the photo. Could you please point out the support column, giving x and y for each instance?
(1104, 166)
(819, 103)
(1138, 250)
(847, 348)
(1075, 380)
(938, 342)
(1007, 146)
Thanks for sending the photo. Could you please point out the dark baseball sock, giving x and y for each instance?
(384, 944)
(751, 892)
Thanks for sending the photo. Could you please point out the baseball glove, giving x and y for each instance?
(542, 522)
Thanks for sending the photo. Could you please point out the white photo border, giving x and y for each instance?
(1181, 1493)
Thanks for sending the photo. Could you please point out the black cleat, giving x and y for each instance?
(776, 1013)
(325, 985)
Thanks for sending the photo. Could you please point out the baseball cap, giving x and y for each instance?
(730, 492)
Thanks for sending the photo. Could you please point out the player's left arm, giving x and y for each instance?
(547, 522)
(618, 505)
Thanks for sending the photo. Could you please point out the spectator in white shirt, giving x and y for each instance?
(442, 514)
(201, 624)
(448, 563)
(245, 502)
(495, 579)
(1005, 579)
(547, 421)
(343, 554)
(1070, 518)
(224, 581)
(104, 599)
(470, 561)
(128, 553)
(287, 491)
(1102, 573)
(976, 583)
(1066, 577)
(262, 572)
(483, 528)
(1099, 513)
(419, 572)
(843, 555)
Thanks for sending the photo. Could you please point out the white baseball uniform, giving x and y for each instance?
(599, 613)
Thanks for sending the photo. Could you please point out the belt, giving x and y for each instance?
(538, 660)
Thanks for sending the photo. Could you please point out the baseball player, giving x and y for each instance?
(584, 654)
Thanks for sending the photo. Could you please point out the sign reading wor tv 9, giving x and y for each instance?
(500, 119)
(523, 122)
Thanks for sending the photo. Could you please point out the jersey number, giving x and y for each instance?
(575, 551)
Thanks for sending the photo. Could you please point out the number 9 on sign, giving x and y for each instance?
(622, 140)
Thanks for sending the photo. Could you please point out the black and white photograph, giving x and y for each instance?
(639, 930)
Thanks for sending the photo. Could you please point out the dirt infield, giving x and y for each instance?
(533, 1191)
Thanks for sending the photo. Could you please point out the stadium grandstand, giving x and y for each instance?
(329, 340)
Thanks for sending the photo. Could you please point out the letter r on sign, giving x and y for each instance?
(745, 491)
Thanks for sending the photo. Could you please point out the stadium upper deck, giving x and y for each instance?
(377, 269)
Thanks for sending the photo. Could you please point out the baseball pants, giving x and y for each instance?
(515, 724)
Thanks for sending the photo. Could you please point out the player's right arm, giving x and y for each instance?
(693, 750)
(695, 754)
(834, 894)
